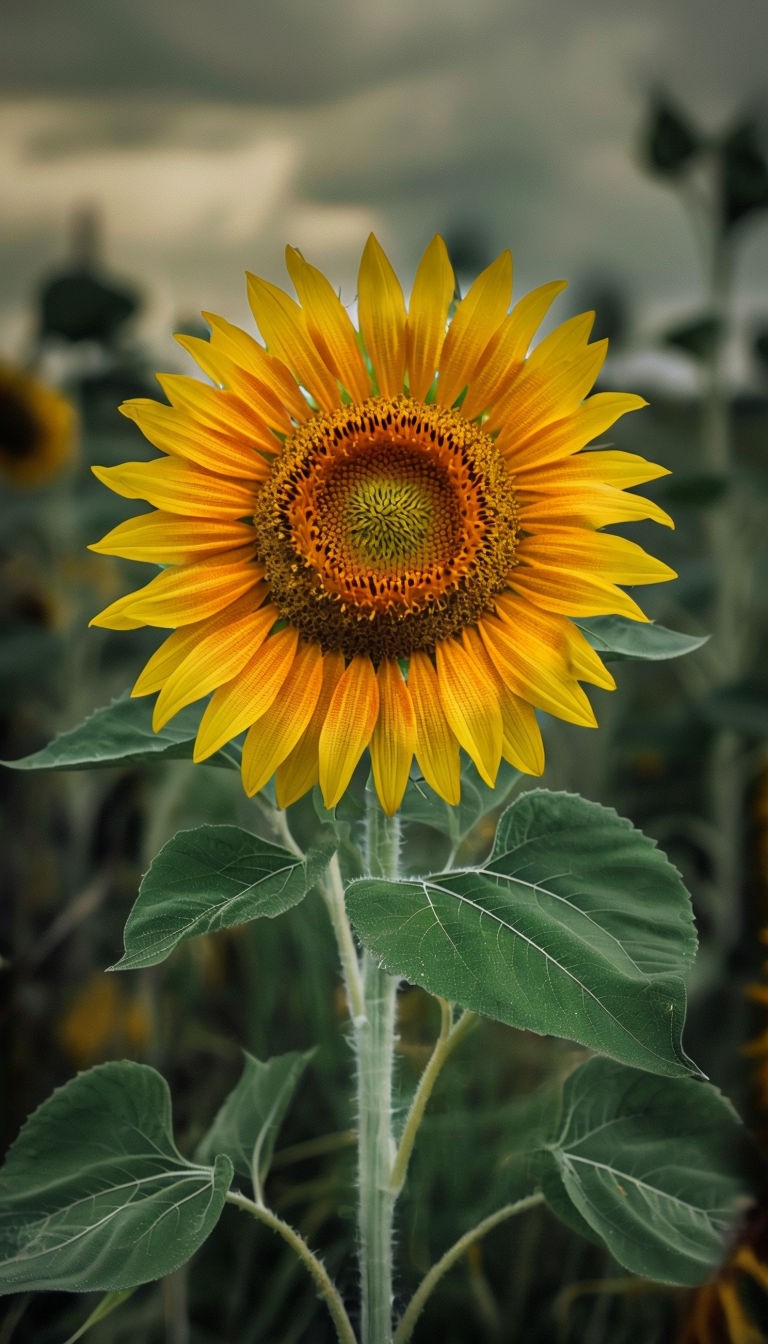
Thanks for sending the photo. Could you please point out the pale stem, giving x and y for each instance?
(450, 1035)
(432, 1278)
(332, 888)
(316, 1268)
(375, 1047)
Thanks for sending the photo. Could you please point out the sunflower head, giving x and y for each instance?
(37, 428)
(377, 538)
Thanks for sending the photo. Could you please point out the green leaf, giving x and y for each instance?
(121, 732)
(697, 337)
(94, 1195)
(671, 142)
(576, 927)
(210, 878)
(247, 1124)
(104, 1308)
(615, 638)
(655, 1169)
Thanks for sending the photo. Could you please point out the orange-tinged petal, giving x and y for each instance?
(394, 737)
(174, 485)
(179, 434)
(300, 770)
(431, 296)
(381, 313)
(329, 325)
(475, 321)
(278, 730)
(563, 437)
(560, 643)
(164, 539)
(437, 749)
(181, 596)
(215, 659)
(212, 407)
(471, 704)
(503, 357)
(348, 727)
(234, 707)
(284, 328)
(533, 670)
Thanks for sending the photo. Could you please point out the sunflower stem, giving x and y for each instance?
(375, 1047)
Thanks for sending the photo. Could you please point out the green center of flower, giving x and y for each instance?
(386, 527)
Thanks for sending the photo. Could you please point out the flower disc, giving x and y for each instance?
(377, 540)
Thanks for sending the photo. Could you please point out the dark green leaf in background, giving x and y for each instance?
(122, 732)
(654, 1168)
(210, 878)
(247, 1123)
(615, 639)
(576, 927)
(670, 141)
(94, 1195)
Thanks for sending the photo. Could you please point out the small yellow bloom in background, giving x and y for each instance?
(37, 428)
(377, 540)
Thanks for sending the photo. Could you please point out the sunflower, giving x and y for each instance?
(378, 539)
(37, 428)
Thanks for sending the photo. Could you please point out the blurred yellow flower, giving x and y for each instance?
(37, 428)
(376, 539)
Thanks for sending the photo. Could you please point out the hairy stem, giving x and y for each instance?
(316, 1268)
(450, 1035)
(447, 1261)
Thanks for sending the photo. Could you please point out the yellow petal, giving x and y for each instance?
(476, 320)
(574, 550)
(215, 659)
(300, 770)
(537, 399)
(590, 506)
(529, 664)
(234, 707)
(563, 437)
(348, 727)
(431, 296)
(170, 483)
(212, 407)
(521, 736)
(178, 433)
(574, 594)
(622, 470)
(329, 326)
(394, 737)
(181, 596)
(163, 539)
(381, 313)
(437, 750)
(268, 377)
(471, 704)
(278, 730)
(175, 648)
(503, 357)
(284, 328)
(557, 640)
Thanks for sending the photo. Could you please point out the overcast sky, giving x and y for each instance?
(210, 134)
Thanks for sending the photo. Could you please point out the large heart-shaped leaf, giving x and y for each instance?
(94, 1194)
(210, 878)
(576, 927)
(654, 1168)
